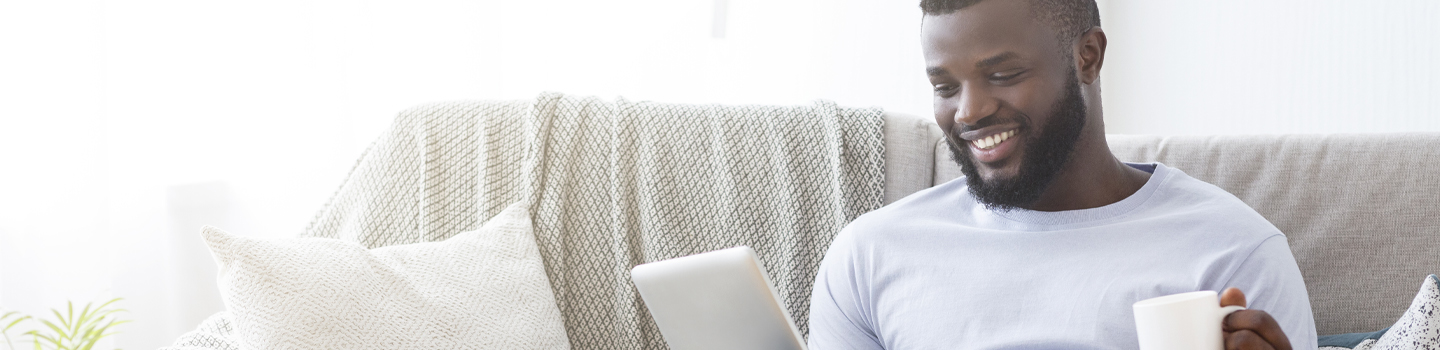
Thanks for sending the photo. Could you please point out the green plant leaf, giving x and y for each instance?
(59, 333)
(100, 315)
(15, 322)
(71, 330)
(58, 318)
(87, 333)
(114, 323)
(69, 309)
(37, 336)
(112, 301)
(80, 321)
(5, 332)
(88, 341)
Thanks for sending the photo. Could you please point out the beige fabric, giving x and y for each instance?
(945, 167)
(909, 158)
(421, 181)
(1361, 211)
(624, 183)
(216, 332)
(1419, 327)
(615, 184)
(483, 289)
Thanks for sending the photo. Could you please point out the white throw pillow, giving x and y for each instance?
(483, 289)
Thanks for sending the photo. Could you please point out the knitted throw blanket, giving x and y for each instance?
(612, 185)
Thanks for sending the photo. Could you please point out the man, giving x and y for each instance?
(1048, 239)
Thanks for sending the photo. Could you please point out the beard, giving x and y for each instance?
(1045, 155)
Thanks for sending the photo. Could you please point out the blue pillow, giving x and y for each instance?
(1350, 340)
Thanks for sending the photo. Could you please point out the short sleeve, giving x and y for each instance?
(1271, 281)
(838, 319)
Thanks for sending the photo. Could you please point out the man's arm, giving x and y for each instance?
(1250, 329)
(837, 316)
(1279, 314)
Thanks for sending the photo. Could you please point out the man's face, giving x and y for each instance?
(1007, 97)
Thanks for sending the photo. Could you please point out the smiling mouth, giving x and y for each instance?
(992, 140)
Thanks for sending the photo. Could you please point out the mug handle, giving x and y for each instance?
(1226, 311)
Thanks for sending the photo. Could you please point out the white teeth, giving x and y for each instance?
(990, 142)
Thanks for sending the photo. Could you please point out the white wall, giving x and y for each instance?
(124, 125)
(1273, 66)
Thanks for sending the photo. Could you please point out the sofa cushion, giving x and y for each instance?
(481, 289)
(1361, 211)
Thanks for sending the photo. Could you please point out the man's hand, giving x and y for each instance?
(1250, 329)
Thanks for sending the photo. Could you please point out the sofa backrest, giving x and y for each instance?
(909, 154)
(1361, 211)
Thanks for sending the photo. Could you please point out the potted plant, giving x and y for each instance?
(68, 331)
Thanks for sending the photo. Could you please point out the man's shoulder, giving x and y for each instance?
(949, 200)
(1179, 202)
(1186, 197)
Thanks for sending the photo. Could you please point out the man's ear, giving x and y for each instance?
(1090, 55)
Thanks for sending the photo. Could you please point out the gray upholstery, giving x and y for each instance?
(909, 154)
(1361, 211)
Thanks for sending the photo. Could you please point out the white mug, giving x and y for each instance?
(1185, 321)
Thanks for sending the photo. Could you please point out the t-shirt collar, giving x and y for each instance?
(1070, 218)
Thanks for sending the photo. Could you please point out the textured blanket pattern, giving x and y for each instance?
(214, 333)
(616, 184)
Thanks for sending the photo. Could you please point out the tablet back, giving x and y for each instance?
(716, 300)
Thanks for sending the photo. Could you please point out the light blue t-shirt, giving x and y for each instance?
(937, 270)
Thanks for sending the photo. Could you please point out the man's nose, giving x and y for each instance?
(975, 104)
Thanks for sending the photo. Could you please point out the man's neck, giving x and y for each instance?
(1093, 178)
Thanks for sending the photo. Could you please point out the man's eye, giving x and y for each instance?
(944, 89)
(1005, 75)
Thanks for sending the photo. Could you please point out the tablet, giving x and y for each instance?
(717, 300)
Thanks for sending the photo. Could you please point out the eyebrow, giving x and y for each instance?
(985, 63)
(997, 59)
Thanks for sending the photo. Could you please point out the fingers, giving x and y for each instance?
(1246, 340)
(1232, 296)
(1258, 324)
(1250, 329)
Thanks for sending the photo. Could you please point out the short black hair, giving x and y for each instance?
(1070, 18)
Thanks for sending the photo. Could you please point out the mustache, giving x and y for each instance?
(988, 121)
(1021, 119)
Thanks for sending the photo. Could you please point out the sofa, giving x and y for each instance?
(1361, 212)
